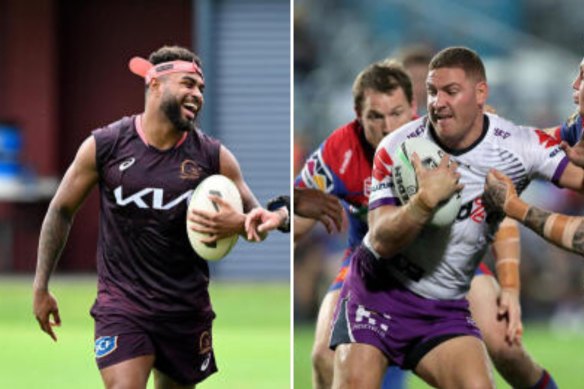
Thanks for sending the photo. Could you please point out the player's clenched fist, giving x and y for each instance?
(439, 184)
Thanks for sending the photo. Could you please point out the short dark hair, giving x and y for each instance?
(460, 57)
(173, 53)
(385, 77)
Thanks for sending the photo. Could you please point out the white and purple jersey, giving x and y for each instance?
(440, 263)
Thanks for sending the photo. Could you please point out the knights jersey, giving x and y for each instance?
(440, 262)
(145, 264)
(342, 166)
(571, 130)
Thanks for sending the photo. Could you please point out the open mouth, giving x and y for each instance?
(441, 117)
(191, 109)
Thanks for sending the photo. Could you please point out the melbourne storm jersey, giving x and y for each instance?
(440, 263)
(145, 263)
(342, 166)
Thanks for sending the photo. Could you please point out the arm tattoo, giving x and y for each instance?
(53, 237)
(495, 195)
(536, 219)
(578, 241)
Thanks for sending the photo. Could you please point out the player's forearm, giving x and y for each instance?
(562, 230)
(393, 231)
(250, 203)
(507, 252)
(53, 237)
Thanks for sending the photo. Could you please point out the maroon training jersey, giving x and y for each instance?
(145, 263)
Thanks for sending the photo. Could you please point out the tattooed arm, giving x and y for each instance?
(74, 188)
(562, 230)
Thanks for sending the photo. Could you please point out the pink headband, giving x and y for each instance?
(145, 69)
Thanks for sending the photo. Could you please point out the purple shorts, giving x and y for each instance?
(377, 310)
(183, 348)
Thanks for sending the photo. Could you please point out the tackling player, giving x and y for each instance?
(562, 230)
(383, 101)
(409, 309)
(152, 310)
(571, 132)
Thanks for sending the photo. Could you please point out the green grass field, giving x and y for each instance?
(251, 337)
(561, 355)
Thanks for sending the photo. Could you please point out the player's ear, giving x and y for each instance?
(155, 85)
(482, 92)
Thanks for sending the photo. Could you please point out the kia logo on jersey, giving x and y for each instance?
(150, 198)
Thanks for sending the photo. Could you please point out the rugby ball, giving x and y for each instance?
(223, 187)
(406, 182)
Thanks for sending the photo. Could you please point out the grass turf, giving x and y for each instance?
(560, 354)
(251, 337)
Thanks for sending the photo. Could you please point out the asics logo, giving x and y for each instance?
(150, 198)
(205, 363)
(127, 163)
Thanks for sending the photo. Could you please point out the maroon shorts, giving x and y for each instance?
(386, 315)
(182, 348)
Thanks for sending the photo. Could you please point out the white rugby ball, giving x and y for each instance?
(406, 182)
(225, 188)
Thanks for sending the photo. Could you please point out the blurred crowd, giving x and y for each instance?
(529, 85)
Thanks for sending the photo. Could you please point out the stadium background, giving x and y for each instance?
(531, 51)
(63, 72)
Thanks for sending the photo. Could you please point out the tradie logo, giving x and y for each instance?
(546, 140)
(127, 163)
(140, 198)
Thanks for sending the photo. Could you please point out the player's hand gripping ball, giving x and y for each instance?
(406, 182)
(223, 187)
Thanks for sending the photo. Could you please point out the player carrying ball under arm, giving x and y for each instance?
(403, 301)
(383, 102)
(152, 310)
